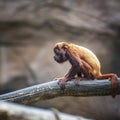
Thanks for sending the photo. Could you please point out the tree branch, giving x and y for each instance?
(10, 111)
(52, 89)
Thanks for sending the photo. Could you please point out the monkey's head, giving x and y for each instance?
(60, 51)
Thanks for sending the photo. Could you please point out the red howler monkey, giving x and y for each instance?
(84, 63)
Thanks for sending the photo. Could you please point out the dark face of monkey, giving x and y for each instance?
(60, 54)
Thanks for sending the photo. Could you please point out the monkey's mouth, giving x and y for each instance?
(58, 59)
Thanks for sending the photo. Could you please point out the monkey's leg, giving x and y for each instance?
(87, 70)
(84, 73)
(80, 69)
(114, 79)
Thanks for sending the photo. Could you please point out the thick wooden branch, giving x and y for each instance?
(52, 89)
(10, 111)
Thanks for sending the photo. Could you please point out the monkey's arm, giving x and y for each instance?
(83, 66)
(70, 75)
(79, 66)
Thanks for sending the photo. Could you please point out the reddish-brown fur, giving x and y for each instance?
(84, 63)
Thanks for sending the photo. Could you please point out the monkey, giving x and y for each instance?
(84, 64)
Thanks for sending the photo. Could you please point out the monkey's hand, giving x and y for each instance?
(62, 82)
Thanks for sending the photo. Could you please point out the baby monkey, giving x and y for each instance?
(84, 64)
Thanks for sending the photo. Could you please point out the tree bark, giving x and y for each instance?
(51, 89)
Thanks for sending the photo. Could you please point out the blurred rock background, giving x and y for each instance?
(28, 31)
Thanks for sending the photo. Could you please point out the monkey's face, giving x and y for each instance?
(60, 51)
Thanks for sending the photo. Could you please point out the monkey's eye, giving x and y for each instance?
(65, 47)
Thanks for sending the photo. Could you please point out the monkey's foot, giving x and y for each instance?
(76, 81)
